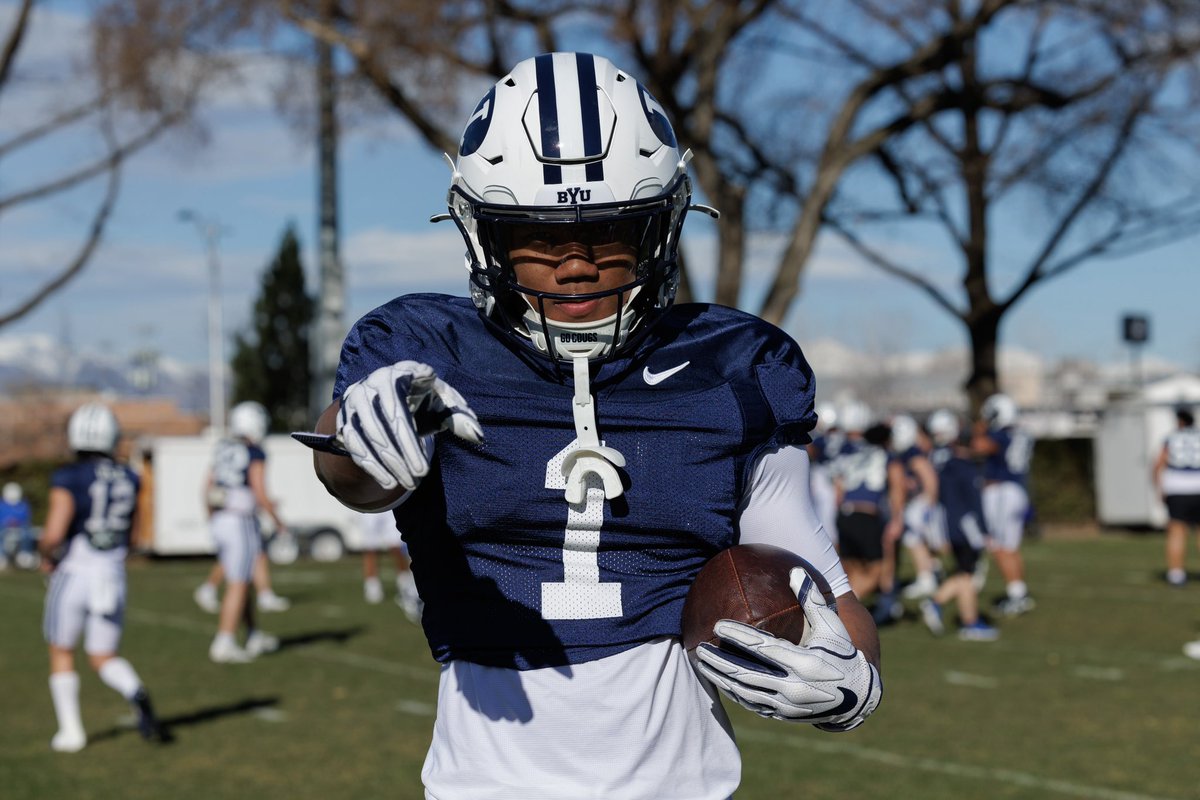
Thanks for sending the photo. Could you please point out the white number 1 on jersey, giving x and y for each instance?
(581, 595)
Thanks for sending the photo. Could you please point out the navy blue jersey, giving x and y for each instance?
(105, 496)
(231, 462)
(906, 459)
(486, 527)
(959, 494)
(1010, 462)
(862, 468)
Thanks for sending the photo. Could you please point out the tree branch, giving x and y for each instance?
(13, 43)
(892, 268)
(83, 255)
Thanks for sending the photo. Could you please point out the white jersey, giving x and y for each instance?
(522, 730)
(1182, 473)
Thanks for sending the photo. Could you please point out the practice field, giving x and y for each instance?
(1087, 697)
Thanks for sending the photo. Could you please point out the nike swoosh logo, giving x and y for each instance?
(849, 703)
(654, 378)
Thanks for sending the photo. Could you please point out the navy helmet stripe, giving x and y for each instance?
(548, 111)
(590, 108)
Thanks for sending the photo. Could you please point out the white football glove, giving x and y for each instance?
(385, 416)
(825, 680)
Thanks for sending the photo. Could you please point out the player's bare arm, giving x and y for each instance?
(58, 521)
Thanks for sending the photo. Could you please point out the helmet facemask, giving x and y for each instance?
(647, 228)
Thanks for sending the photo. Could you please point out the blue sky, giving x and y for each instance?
(148, 285)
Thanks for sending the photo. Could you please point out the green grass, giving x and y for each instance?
(1088, 697)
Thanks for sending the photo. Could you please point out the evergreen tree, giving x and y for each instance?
(270, 362)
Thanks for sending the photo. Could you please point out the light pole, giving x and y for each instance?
(210, 230)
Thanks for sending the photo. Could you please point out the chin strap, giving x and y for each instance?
(590, 455)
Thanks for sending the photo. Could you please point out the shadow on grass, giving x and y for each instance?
(198, 717)
(339, 635)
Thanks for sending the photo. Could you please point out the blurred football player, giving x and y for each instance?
(92, 506)
(1176, 476)
(627, 441)
(379, 534)
(1006, 451)
(960, 510)
(236, 491)
(870, 496)
(824, 447)
(16, 528)
(910, 449)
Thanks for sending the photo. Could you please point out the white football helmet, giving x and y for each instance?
(249, 420)
(827, 416)
(943, 426)
(904, 432)
(93, 428)
(999, 411)
(855, 416)
(569, 139)
(12, 493)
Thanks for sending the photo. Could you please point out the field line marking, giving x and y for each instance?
(956, 678)
(986, 774)
(188, 625)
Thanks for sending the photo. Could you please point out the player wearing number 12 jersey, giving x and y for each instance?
(93, 501)
(564, 451)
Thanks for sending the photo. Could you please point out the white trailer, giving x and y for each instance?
(322, 526)
(1128, 440)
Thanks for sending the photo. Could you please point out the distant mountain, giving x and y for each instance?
(39, 361)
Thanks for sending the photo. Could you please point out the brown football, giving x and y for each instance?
(747, 583)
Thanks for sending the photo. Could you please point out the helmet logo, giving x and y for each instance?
(656, 117)
(478, 124)
(575, 194)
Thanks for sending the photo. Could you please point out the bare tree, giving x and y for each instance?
(1082, 138)
(121, 129)
(799, 111)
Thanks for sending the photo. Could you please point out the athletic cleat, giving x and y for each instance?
(1176, 578)
(68, 741)
(149, 726)
(229, 654)
(206, 597)
(1015, 606)
(931, 615)
(259, 643)
(978, 631)
(1192, 649)
(887, 609)
(269, 601)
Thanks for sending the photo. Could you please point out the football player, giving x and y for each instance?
(1006, 451)
(910, 448)
(628, 440)
(93, 502)
(16, 528)
(1176, 475)
(236, 490)
(824, 447)
(870, 496)
(379, 533)
(960, 512)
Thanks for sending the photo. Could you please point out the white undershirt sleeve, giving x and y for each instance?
(777, 509)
